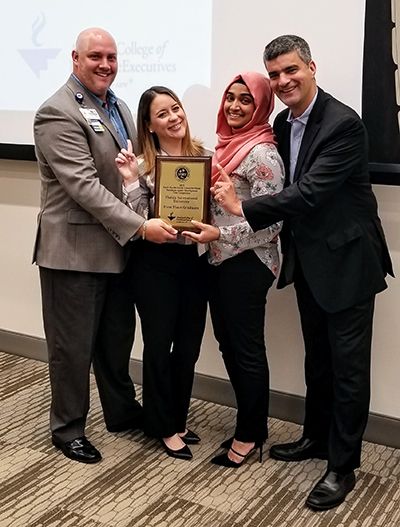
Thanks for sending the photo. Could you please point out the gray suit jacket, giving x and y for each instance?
(83, 225)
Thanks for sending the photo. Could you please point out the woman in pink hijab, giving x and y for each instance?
(243, 263)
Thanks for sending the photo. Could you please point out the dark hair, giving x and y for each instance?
(149, 145)
(239, 81)
(286, 44)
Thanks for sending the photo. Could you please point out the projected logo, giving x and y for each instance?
(37, 58)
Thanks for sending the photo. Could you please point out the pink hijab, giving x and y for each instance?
(234, 144)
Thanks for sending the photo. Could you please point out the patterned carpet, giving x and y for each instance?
(136, 484)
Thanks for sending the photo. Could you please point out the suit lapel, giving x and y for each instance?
(282, 131)
(88, 102)
(285, 151)
(308, 138)
(312, 128)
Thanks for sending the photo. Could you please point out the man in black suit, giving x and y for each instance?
(334, 251)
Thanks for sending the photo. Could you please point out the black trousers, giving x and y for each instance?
(170, 284)
(238, 290)
(88, 317)
(337, 374)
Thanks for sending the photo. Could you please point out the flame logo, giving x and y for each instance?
(37, 58)
(37, 27)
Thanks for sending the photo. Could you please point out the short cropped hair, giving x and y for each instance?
(287, 44)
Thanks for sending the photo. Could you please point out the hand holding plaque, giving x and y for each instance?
(182, 190)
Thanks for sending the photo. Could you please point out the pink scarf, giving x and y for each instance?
(234, 144)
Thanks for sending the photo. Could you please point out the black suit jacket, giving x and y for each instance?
(329, 212)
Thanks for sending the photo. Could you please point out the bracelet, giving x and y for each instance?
(144, 230)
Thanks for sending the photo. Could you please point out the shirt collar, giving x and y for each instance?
(303, 118)
(111, 98)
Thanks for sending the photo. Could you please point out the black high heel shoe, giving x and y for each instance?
(181, 453)
(223, 460)
(190, 438)
(227, 443)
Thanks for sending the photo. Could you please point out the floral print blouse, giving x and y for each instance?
(261, 172)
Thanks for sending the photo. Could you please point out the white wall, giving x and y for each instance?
(20, 308)
(334, 30)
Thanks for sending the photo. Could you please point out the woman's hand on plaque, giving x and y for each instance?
(208, 233)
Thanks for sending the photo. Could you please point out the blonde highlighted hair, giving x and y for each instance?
(149, 145)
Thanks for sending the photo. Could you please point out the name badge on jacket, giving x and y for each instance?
(92, 118)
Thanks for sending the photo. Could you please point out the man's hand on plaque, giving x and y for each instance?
(158, 231)
(208, 233)
(127, 165)
(225, 195)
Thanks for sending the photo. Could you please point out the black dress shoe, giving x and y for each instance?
(331, 490)
(190, 438)
(182, 453)
(79, 449)
(304, 448)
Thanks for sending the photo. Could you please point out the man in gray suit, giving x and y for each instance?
(83, 246)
